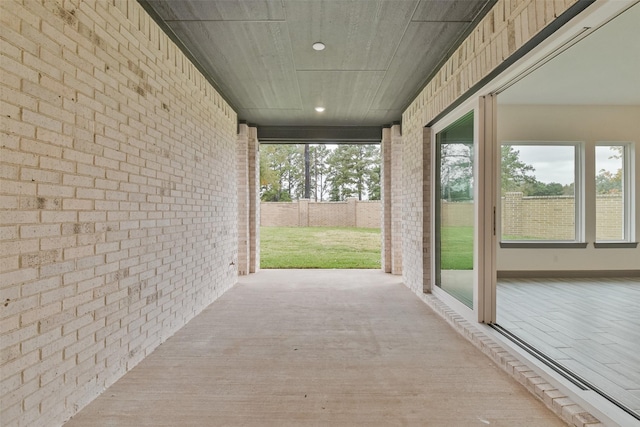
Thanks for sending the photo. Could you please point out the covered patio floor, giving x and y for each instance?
(317, 347)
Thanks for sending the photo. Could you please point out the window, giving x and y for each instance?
(612, 192)
(540, 199)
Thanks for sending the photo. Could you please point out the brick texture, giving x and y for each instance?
(553, 217)
(397, 195)
(304, 213)
(506, 28)
(385, 199)
(243, 199)
(118, 220)
(415, 210)
(253, 166)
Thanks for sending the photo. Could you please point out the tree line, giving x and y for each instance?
(519, 176)
(336, 174)
(333, 174)
(456, 175)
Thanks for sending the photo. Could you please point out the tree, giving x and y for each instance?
(346, 171)
(319, 171)
(354, 171)
(340, 177)
(537, 188)
(608, 182)
(284, 179)
(456, 171)
(515, 174)
(373, 176)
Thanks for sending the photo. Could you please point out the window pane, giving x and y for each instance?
(538, 192)
(610, 193)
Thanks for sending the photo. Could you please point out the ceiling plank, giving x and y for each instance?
(346, 95)
(206, 10)
(359, 35)
(448, 10)
(257, 53)
(409, 64)
(253, 59)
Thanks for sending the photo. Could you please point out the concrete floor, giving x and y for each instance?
(316, 347)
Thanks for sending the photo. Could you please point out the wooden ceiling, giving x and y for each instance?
(258, 54)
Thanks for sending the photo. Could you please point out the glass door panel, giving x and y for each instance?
(455, 207)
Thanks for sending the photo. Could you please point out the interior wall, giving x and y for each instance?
(118, 195)
(587, 124)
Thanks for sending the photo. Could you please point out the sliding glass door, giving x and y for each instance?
(455, 209)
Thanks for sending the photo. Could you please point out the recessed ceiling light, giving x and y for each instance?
(318, 46)
(319, 109)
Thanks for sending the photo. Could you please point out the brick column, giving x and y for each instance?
(254, 199)
(396, 189)
(385, 197)
(416, 209)
(242, 151)
(426, 210)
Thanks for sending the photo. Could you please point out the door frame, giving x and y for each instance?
(484, 193)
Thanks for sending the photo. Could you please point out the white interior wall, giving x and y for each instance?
(589, 124)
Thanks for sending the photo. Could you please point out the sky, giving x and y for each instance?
(556, 163)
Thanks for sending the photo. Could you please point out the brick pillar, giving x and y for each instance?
(426, 210)
(385, 197)
(416, 209)
(303, 212)
(396, 188)
(253, 167)
(242, 151)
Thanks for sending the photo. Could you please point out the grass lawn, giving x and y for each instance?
(319, 247)
(457, 248)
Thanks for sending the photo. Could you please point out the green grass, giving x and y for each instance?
(319, 247)
(328, 247)
(457, 248)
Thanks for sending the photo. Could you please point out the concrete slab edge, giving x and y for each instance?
(556, 400)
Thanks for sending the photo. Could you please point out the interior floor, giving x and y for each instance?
(590, 326)
(317, 347)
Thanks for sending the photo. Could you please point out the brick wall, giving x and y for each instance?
(279, 214)
(303, 213)
(368, 214)
(548, 217)
(609, 217)
(553, 217)
(457, 214)
(505, 29)
(118, 205)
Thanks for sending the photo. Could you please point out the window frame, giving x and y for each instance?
(579, 200)
(628, 189)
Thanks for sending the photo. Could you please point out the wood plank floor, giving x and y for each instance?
(317, 348)
(591, 326)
